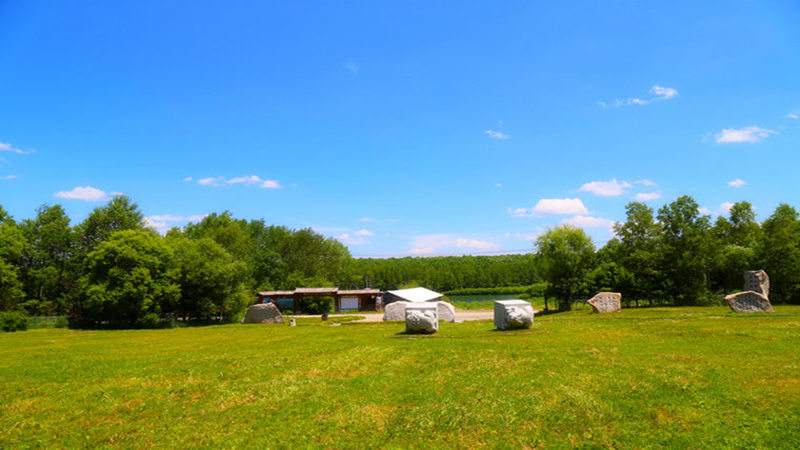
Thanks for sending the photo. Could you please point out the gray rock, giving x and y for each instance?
(512, 314)
(749, 301)
(447, 312)
(422, 318)
(395, 311)
(606, 302)
(263, 313)
(757, 281)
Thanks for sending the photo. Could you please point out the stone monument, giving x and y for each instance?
(755, 297)
(422, 318)
(263, 313)
(605, 302)
(512, 314)
(395, 311)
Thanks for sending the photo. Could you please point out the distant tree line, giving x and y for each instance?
(675, 256)
(111, 270)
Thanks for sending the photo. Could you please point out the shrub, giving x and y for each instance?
(13, 321)
(317, 305)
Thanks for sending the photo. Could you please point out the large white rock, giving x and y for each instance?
(263, 313)
(422, 318)
(395, 311)
(512, 314)
(605, 302)
(447, 312)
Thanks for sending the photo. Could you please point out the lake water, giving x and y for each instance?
(480, 298)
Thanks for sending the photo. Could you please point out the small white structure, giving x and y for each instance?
(422, 318)
(512, 314)
(413, 295)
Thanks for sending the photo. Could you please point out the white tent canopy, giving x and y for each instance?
(416, 295)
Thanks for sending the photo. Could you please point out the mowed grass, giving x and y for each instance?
(671, 377)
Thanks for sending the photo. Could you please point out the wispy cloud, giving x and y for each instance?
(83, 193)
(358, 237)
(351, 66)
(745, 135)
(187, 179)
(497, 135)
(8, 148)
(647, 196)
(793, 116)
(645, 182)
(583, 221)
(737, 183)
(430, 244)
(657, 94)
(610, 188)
(250, 180)
(163, 222)
(8, 177)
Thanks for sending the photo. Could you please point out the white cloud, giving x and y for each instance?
(520, 212)
(187, 178)
(163, 222)
(8, 177)
(658, 93)
(367, 220)
(646, 182)
(726, 207)
(705, 211)
(497, 135)
(745, 135)
(250, 180)
(84, 193)
(582, 221)
(610, 188)
(8, 148)
(793, 116)
(438, 243)
(364, 233)
(560, 206)
(524, 236)
(647, 196)
(498, 185)
(737, 183)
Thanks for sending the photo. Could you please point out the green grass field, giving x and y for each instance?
(670, 377)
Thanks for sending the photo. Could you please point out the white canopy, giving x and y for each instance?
(416, 295)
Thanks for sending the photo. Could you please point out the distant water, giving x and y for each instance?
(480, 298)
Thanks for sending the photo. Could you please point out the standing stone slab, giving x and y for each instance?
(512, 314)
(263, 313)
(447, 312)
(395, 311)
(757, 281)
(749, 301)
(422, 318)
(606, 302)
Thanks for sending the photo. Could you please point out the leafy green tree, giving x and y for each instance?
(638, 251)
(130, 280)
(567, 255)
(47, 268)
(779, 253)
(11, 294)
(12, 245)
(686, 247)
(212, 283)
(610, 276)
(119, 214)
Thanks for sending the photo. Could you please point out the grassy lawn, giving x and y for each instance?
(672, 377)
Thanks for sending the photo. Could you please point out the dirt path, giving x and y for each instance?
(461, 316)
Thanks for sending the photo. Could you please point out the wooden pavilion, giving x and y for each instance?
(344, 300)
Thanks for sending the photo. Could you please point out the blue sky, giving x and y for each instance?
(400, 128)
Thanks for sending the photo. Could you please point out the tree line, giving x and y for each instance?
(112, 270)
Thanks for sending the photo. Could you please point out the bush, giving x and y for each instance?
(13, 321)
(317, 305)
(61, 322)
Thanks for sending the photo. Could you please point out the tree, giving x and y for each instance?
(119, 214)
(779, 254)
(566, 254)
(47, 271)
(12, 245)
(130, 280)
(685, 250)
(212, 282)
(638, 251)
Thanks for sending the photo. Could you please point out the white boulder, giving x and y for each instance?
(512, 314)
(263, 313)
(395, 311)
(422, 318)
(446, 311)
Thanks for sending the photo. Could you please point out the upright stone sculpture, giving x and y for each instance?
(447, 312)
(755, 297)
(422, 318)
(512, 314)
(395, 311)
(263, 313)
(606, 302)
